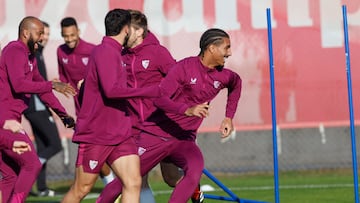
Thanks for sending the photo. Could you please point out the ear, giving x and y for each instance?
(26, 34)
(211, 48)
(125, 29)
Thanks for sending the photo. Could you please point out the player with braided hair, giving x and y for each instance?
(169, 133)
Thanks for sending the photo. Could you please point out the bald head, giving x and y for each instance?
(28, 23)
(31, 31)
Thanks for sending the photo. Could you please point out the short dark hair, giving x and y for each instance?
(139, 20)
(115, 20)
(68, 21)
(211, 36)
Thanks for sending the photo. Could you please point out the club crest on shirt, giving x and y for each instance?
(193, 81)
(93, 164)
(217, 84)
(65, 60)
(145, 63)
(141, 151)
(85, 60)
(30, 66)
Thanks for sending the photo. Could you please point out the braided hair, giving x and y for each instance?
(211, 36)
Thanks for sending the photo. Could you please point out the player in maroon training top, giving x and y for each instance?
(170, 133)
(19, 78)
(103, 128)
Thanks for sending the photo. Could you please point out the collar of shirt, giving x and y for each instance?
(112, 42)
(23, 45)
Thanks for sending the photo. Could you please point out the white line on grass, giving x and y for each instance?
(163, 192)
(270, 188)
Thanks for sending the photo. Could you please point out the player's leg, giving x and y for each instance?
(110, 192)
(8, 179)
(151, 149)
(170, 173)
(127, 168)
(81, 187)
(89, 161)
(187, 156)
(106, 174)
(46, 134)
(47, 143)
(154, 149)
(27, 167)
(125, 163)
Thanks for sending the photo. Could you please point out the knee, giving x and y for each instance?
(81, 190)
(133, 183)
(193, 174)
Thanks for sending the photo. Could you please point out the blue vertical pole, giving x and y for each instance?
(273, 108)
(351, 110)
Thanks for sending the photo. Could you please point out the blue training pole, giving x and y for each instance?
(351, 110)
(273, 108)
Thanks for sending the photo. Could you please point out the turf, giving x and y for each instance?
(296, 186)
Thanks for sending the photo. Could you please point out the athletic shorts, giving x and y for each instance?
(152, 149)
(92, 156)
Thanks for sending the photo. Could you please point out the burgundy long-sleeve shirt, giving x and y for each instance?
(104, 117)
(146, 64)
(73, 63)
(6, 142)
(19, 78)
(190, 83)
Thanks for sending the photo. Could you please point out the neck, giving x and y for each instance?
(119, 38)
(207, 62)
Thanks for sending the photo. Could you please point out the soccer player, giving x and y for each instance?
(103, 128)
(147, 63)
(19, 78)
(73, 57)
(6, 142)
(42, 123)
(170, 133)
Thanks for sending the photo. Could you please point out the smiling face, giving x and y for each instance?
(71, 35)
(218, 52)
(35, 38)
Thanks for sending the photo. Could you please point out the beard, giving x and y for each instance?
(126, 40)
(31, 45)
(219, 67)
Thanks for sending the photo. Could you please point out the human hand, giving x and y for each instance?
(200, 110)
(14, 126)
(63, 88)
(226, 127)
(68, 121)
(20, 147)
(80, 83)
